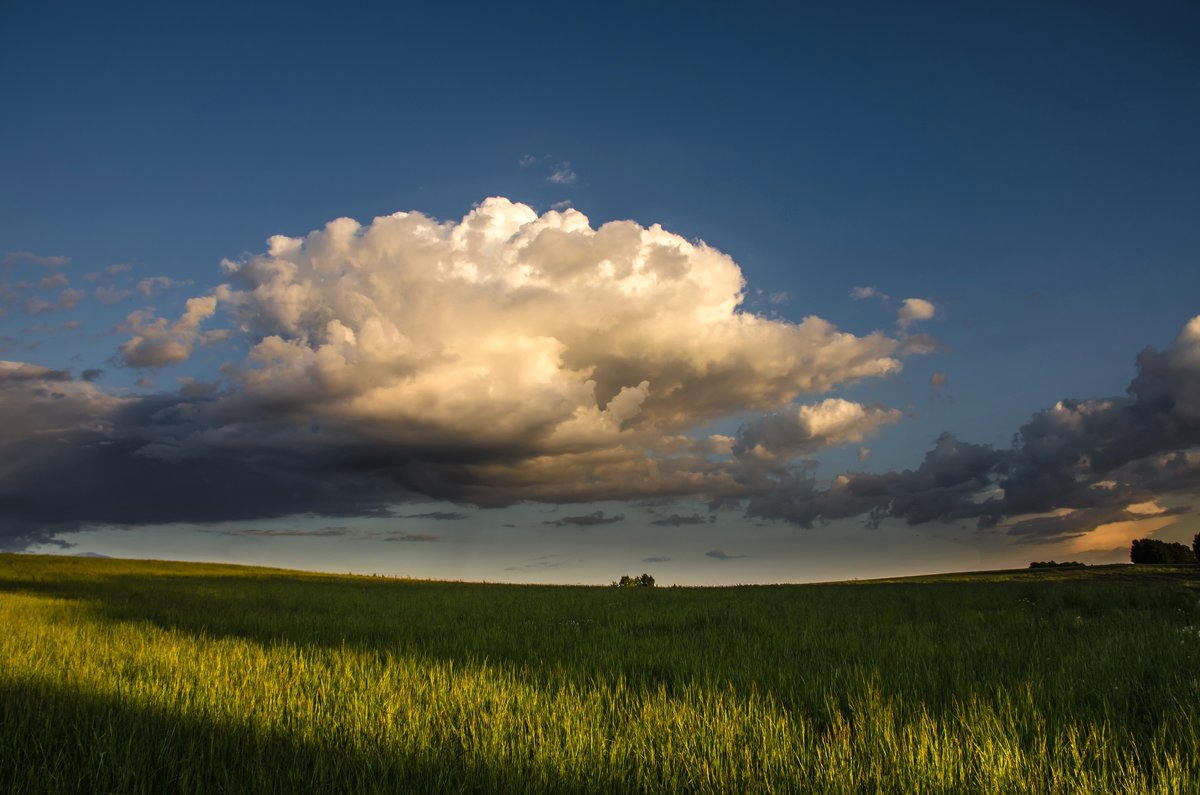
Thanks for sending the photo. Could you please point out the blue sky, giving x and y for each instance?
(1029, 172)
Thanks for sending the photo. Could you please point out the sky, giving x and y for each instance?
(556, 294)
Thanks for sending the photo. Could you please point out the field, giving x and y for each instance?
(128, 676)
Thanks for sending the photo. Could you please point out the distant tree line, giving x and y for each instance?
(644, 581)
(1151, 550)
(1049, 564)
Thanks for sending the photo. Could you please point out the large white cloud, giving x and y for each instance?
(566, 353)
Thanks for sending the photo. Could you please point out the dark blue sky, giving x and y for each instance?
(1031, 169)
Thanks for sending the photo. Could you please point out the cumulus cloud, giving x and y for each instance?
(779, 437)
(913, 310)
(504, 357)
(157, 343)
(937, 381)
(1076, 466)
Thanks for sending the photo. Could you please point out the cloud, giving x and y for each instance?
(562, 174)
(93, 374)
(541, 563)
(324, 532)
(587, 520)
(54, 280)
(869, 291)
(437, 516)
(108, 295)
(1074, 467)
(525, 161)
(157, 344)
(1066, 524)
(656, 559)
(675, 520)
(913, 310)
(67, 299)
(412, 538)
(779, 437)
(501, 358)
(718, 554)
(937, 381)
(17, 257)
(147, 286)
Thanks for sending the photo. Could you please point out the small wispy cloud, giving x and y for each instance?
(675, 520)
(17, 257)
(437, 516)
(656, 559)
(67, 299)
(587, 520)
(868, 291)
(540, 563)
(147, 286)
(412, 538)
(271, 532)
(719, 554)
(563, 174)
(109, 295)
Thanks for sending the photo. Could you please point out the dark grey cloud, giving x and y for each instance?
(415, 538)
(1091, 456)
(1044, 529)
(587, 520)
(675, 520)
(719, 554)
(437, 516)
(92, 374)
(323, 532)
(540, 563)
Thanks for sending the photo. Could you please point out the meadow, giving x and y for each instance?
(140, 676)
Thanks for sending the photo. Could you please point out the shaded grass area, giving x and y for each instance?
(144, 676)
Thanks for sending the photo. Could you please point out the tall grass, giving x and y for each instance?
(120, 676)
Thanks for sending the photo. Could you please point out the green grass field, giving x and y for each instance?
(128, 676)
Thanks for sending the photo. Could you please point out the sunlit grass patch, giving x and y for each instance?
(143, 677)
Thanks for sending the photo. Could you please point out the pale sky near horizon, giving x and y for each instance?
(724, 295)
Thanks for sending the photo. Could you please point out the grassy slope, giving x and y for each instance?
(147, 676)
